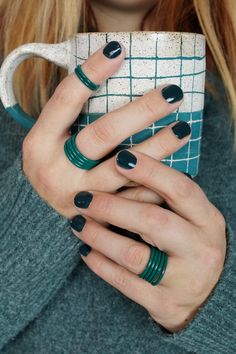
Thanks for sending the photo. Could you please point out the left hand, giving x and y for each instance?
(192, 232)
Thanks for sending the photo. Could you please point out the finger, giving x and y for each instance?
(156, 225)
(137, 289)
(131, 254)
(183, 195)
(141, 194)
(65, 104)
(113, 128)
(161, 145)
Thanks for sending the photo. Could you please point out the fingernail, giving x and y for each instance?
(112, 49)
(172, 93)
(83, 199)
(126, 160)
(188, 175)
(84, 249)
(181, 129)
(77, 223)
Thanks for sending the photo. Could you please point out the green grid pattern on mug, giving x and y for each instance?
(185, 159)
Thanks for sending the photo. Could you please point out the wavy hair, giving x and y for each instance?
(54, 21)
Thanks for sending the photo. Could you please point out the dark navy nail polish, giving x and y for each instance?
(188, 175)
(126, 160)
(84, 249)
(77, 223)
(172, 93)
(181, 129)
(112, 50)
(83, 199)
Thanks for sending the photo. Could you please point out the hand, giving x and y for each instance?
(45, 164)
(192, 233)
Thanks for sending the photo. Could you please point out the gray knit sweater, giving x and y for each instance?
(51, 302)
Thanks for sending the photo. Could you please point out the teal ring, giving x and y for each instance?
(162, 271)
(75, 156)
(85, 80)
(156, 266)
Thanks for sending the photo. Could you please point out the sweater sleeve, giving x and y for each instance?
(37, 252)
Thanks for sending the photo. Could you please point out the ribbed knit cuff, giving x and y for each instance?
(213, 329)
(37, 251)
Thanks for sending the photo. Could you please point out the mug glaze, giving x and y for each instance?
(152, 58)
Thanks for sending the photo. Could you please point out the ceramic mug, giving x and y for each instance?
(152, 58)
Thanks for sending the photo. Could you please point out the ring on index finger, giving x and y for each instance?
(76, 157)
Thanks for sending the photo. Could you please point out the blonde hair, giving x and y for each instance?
(54, 21)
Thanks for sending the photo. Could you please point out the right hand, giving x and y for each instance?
(45, 164)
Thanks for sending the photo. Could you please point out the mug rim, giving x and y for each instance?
(170, 33)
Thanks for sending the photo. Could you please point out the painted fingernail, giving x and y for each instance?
(126, 160)
(84, 249)
(188, 175)
(83, 199)
(112, 50)
(172, 93)
(181, 129)
(77, 223)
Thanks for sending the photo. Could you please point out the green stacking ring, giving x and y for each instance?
(146, 270)
(162, 270)
(75, 156)
(86, 81)
(156, 266)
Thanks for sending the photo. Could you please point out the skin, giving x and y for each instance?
(192, 232)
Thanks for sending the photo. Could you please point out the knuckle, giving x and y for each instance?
(46, 176)
(100, 132)
(90, 68)
(149, 105)
(138, 194)
(150, 173)
(197, 287)
(120, 279)
(213, 257)
(92, 234)
(104, 204)
(218, 217)
(182, 188)
(163, 146)
(155, 216)
(64, 93)
(133, 255)
(99, 266)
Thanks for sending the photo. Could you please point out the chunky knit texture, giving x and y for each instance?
(51, 302)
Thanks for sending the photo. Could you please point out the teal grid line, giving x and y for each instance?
(130, 67)
(130, 80)
(107, 108)
(189, 144)
(167, 58)
(89, 53)
(159, 58)
(134, 95)
(156, 77)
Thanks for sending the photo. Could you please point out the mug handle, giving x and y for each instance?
(57, 53)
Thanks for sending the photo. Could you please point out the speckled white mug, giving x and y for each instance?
(152, 58)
